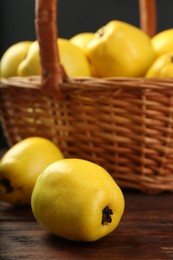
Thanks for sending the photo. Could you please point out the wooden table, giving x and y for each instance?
(145, 232)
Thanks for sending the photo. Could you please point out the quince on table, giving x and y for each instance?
(82, 201)
(22, 164)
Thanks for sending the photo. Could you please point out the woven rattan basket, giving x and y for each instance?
(123, 124)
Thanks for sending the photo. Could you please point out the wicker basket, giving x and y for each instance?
(123, 124)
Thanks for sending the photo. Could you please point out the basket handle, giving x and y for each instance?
(46, 30)
(148, 17)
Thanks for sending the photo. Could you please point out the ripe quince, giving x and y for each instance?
(82, 201)
(72, 58)
(22, 164)
(31, 64)
(120, 49)
(82, 40)
(163, 42)
(162, 67)
(12, 57)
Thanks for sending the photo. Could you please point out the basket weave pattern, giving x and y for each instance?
(123, 124)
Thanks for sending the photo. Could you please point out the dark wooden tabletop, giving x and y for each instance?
(145, 232)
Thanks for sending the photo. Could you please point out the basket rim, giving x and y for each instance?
(109, 83)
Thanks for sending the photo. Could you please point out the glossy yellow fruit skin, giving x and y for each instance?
(120, 49)
(72, 58)
(12, 57)
(82, 40)
(31, 64)
(162, 67)
(163, 42)
(74, 193)
(22, 164)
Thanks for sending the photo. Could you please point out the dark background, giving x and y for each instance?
(74, 16)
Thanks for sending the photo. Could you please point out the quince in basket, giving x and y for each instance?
(163, 42)
(31, 64)
(162, 67)
(82, 40)
(72, 58)
(12, 57)
(120, 49)
(77, 200)
(22, 164)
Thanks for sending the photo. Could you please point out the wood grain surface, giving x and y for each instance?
(145, 232)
